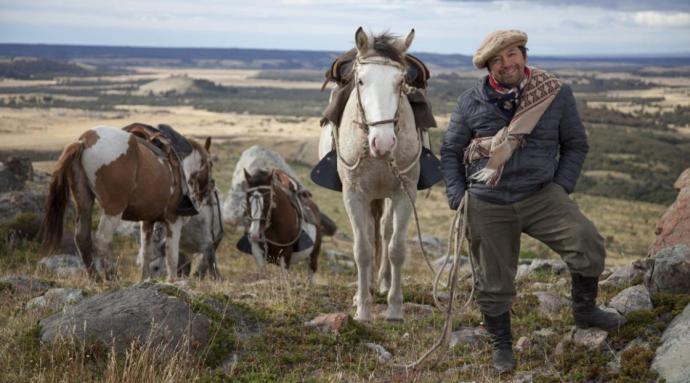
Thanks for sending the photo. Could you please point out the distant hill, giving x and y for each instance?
(39, 68)
(118, 56)
(178, 85)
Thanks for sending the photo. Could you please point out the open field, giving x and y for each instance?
(634, 159)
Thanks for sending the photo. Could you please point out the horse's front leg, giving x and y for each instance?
(145, 249)
(401, 211)
(172, 248)
(258, 251)
(359, 210)
(386, 233)
(104, 259)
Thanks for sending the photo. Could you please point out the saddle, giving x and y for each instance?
(168, 144)
(417, 76)
(299, 198)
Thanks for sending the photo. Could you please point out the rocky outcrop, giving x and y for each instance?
(671, 360)
(670, 271)
(674, 226)
(142, 313)
(635, 298)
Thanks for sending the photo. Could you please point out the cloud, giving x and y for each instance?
(662, 19)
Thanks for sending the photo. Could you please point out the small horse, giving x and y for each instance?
(282, 225)
(376, 139)
(131, 182)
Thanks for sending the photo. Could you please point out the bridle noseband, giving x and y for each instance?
(377, 60)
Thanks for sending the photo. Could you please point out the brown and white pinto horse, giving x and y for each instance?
(278, 218)
(130, 183)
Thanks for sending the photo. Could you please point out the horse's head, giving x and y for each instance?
(379, 75)
(259, 195)
(198, 167)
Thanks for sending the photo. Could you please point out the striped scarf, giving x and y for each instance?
(539, 90)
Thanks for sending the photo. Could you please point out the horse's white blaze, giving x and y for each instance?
(112, 144)
(380, 103)
(304, 254)
(256, 207)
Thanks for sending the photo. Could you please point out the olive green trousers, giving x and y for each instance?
(549, 216)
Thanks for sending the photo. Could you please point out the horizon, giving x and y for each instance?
(643, 55)
(561, 28)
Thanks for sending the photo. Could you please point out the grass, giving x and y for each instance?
(279, 347)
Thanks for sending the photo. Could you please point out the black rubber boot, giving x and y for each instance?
(502, 341)
(585, 310)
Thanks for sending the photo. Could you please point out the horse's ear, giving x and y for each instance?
(247, 176)
(404, 43)
(362, 41)
(207, 144)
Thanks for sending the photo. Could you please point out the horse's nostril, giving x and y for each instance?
(373, 143)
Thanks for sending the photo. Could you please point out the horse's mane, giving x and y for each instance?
(384, 45)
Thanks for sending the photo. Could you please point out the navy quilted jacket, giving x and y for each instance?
(553, 152)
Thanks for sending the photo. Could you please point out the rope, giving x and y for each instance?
(458, 237)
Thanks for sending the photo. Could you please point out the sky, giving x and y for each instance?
(556, 27)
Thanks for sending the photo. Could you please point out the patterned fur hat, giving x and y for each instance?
(496, 42)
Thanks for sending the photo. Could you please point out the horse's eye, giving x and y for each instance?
(361, 82)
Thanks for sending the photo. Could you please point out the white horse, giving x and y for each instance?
(377, 136)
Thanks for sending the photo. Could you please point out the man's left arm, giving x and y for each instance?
(573, 143)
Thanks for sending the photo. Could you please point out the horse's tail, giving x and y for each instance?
(52, 225)
(328, 226)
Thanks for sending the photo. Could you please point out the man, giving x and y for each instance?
(515, 144)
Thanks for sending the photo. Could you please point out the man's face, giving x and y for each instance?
(508, 66)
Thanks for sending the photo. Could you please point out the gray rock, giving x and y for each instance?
(671, 360)
(550, 303)
(635, 298)
(64, 265)
(670, 272)
(523, 344)
(9, 181)
(15, 202)
(448, 261)
(475, 337)
(20, 284)
(592, 338)
(21, 167)
(56, 298)
(383, 354)
(61, 260)
(626, 275)
(141, 313)
(548, 265)
(541, 286)
(432, 245)
(329, 323)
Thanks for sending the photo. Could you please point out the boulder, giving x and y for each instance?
(628, 274)
(671, 360)
(63, 265)
(591, 338)
(475, 337)
(670, 271)
(16, 202)
(635, 298)
(432, 245)
(141, 313)
(674, 226)
(9, 181)
(21, 167)
(549, 265)
(56, 299)
(253, 159)
(19, 284)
